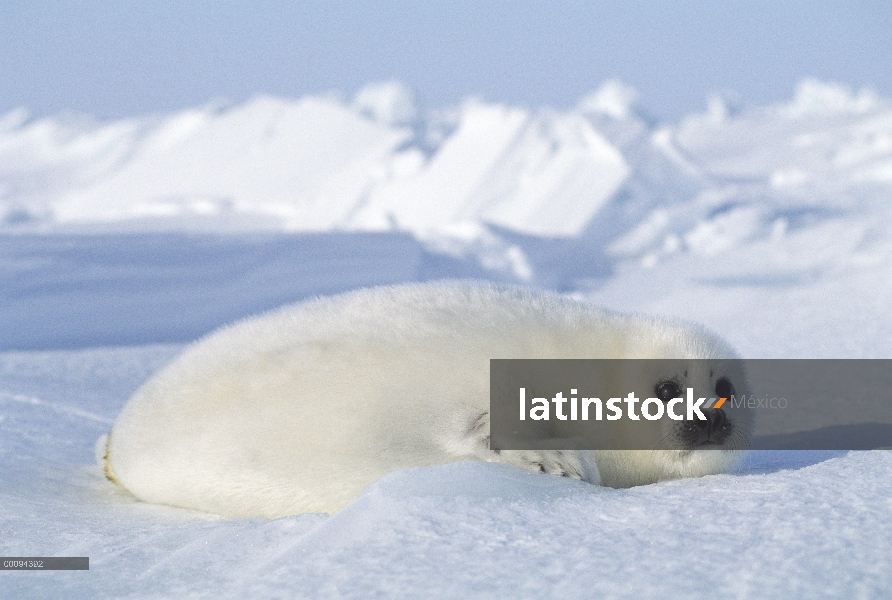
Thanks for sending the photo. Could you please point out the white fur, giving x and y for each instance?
(299, 409)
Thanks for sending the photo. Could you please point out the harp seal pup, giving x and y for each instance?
(299, 409)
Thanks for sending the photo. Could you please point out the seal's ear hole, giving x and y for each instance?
(667, 389)
(723, 388)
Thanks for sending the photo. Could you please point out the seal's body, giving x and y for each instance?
(299, 409)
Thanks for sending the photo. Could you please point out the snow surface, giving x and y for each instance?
(120, 241)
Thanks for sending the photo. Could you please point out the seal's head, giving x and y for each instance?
(690, 446)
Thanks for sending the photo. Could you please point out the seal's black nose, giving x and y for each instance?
(715, 428)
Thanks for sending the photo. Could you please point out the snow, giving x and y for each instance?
(98, 290)
(121, 241)
(388, 102)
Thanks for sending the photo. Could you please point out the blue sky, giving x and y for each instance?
(123, 58)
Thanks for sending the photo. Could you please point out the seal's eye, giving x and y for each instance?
(723, 388)
(667, 389)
